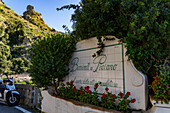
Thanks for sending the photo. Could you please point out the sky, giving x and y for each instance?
(53, 18)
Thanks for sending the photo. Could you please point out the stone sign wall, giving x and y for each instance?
(112, 68)
(108, 68)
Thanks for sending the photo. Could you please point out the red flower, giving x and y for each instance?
(113, 96)
(68, 83)
(96, 85)
(104, 95)
(128, 93)
(100, 82)
(121, 94)
(74, 89)
(133, 100)
(89, 91)
(107, 89)
(71, 83)
(87, 88)
(81, 92)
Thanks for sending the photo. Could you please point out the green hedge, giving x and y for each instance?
(142, 24)
(50, 58)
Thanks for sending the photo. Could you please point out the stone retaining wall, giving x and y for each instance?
(51, 104)
(30, 95)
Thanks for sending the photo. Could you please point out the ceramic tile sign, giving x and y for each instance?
(112, 68)
(106, 68)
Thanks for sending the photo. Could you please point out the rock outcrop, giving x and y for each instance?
(35, 18)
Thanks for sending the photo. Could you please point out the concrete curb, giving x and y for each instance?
(18, 108)
(21, 109)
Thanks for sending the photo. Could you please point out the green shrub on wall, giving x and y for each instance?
(147, 40)
(50, 58)
(142, 25)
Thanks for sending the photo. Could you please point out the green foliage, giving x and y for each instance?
(35, 18)
(5, 63)
(147, 39)
(161, 85)
(124, 102)
(50, 58)
(107, 100)
(15, 33)
(142, 25)
(18, 33)
(99, 18)
(69, 91)
(20, 65)
(95, 97)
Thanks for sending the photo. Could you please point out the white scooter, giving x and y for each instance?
(8, 92)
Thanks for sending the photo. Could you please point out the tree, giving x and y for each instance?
(20, 65)
(5, 63)
(142, 25)
(50, 58)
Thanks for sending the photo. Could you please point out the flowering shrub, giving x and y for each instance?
(161, 85)
(49, 61)
(69, 90)
(108, 100)
(124, 102)
(95, 97)
(87, 96)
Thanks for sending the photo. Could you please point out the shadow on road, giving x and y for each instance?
(6, 109)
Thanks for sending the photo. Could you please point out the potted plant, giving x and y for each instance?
(161, 85)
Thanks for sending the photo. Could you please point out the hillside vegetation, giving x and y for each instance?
(18, 33)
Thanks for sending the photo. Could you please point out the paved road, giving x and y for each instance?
(6, 109)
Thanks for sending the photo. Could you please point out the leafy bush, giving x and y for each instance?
(107, 100)
(161, 85)
(148, 39)
(5, 63)
(142, 25)
(50, 58)
(20, 65)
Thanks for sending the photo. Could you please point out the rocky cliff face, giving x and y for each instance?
(19, 33)
(28, 14)
(35, 18)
